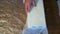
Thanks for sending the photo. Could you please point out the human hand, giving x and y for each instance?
(27, 5)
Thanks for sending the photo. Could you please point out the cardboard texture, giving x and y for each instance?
(12, 16)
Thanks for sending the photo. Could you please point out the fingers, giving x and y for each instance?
(27, 8)
(27, 5)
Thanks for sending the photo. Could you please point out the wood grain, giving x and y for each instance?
(52, 16)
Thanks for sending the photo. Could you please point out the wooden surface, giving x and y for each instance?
(52, 16)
